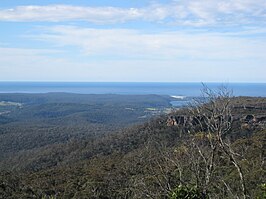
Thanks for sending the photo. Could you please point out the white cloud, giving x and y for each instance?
(140, 55)
(57, 13)
(37, 65)
(183, 45)
(181, 12)
(131, 55)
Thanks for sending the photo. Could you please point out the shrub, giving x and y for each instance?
(185, 192)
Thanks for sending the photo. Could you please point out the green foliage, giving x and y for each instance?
(187, 192)
(58, 151)
(49, 197)
(263, 191)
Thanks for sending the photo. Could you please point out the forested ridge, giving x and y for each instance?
(207, 150)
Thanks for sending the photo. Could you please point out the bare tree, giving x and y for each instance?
(212, 117)
(195, 161)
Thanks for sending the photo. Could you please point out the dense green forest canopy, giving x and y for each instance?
(101, 146)
(31, 121)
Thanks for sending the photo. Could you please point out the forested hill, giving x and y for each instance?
(211, 152)
(31, 121)
(60, 107)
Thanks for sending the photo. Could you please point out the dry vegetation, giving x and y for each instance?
(211, 150)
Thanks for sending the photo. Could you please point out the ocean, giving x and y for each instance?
(172, 89)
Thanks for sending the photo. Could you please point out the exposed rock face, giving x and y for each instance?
(249, 119)
(183, 121)
(245, 126)
(261, 119)
(171, 121)
(251, 122)
(179, 120)
(187, 123)
(253, 119)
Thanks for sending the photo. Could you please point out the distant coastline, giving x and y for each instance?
(175, 90)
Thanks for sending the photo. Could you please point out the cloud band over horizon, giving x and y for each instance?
(197, 40)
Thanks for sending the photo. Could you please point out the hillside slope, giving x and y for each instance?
(145, 161)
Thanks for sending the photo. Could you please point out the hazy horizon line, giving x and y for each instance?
(202, 82)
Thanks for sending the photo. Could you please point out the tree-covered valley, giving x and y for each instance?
(62, 145)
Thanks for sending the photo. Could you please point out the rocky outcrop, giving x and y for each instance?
(252, 122)
(171, 121)
(180, 120)
(261, 119)
(249, 118)
(196, 123)
(185, 121)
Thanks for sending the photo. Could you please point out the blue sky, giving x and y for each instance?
(133, 41)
